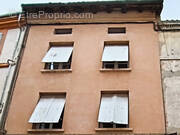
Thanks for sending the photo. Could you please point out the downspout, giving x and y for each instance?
(10, 91)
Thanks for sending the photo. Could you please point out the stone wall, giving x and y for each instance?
(170, 66)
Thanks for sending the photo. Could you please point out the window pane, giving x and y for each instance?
(47, 66)
(123, 65)
(108, 65)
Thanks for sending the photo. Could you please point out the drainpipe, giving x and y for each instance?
(15, 62)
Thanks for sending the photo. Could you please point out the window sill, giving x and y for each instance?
(113, 129)
(45, 130)
(55, 70)
(115, 70)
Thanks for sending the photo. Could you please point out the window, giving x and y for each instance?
(1, 35)
(113, 111)
(48, 113)
(58, 57)
(115, 56)
(117, 30)
(63, 31)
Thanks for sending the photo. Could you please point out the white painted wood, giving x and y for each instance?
(114, 108)
(115, 53)
(120, 109)
(58, 54)
(3, 75)
(48, 110)
(106, 109)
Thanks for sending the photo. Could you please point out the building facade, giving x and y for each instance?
(11, 38)
(170, 56)
(92, 69)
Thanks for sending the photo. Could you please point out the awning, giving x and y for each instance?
(115, 53)
(48, 110)
(58, 54)
(114, 109)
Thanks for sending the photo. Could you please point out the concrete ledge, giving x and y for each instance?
(55, 70)
(166, 59)
(53, 131)
(113, 129)
(116, 70)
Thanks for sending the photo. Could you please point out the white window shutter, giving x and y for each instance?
(58, 54)
(106, 109)
(116, 53)
(48, 110)
(121, 109)
(114, 108)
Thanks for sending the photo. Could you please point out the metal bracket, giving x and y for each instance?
(11, 62)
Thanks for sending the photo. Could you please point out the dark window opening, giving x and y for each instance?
(63, 31)
(108, 65)
(56, 65)
(49, 125)
(123, 65)
(116, 30)
(115, 65)
(47, 66)
(59, 65)
(112, 125)
(106, 125)
(121, 126)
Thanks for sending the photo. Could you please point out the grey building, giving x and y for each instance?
(170, 66)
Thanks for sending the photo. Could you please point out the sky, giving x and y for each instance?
(171, 10)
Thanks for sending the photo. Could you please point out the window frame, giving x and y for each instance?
(116, 63)
(117, 30)
(1, 36)
(61, 65)
(63, 31)
(45, 68)
(38, 125)
(35, 126)
(115, 126)
(2, 41)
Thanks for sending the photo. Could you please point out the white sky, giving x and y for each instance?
(171, 9)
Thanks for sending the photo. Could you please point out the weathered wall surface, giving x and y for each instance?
(98, 17)
(170, 64)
